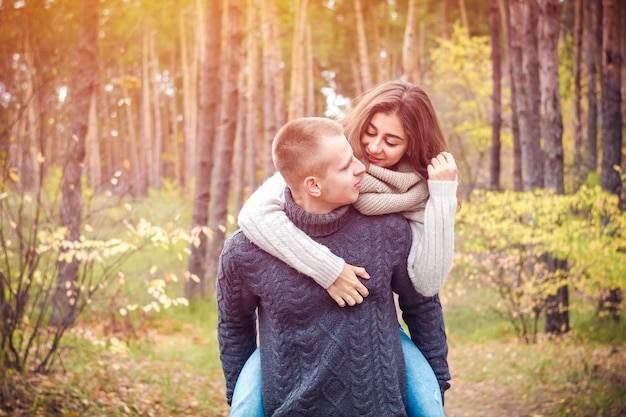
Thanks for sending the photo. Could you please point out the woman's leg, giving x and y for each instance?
(247, 400)
(423, 389)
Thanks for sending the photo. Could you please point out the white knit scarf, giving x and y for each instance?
(393, 191)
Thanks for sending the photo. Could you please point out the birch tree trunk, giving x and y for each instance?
(221, 175)
(496, 116)
(410, 46)
(80, 93)
(364, 65)
(196, 284)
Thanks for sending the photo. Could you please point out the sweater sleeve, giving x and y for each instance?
(432, 247)
(236, 316)
(263, 221)
(424, 318)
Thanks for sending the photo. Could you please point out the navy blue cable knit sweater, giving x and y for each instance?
(319, 359)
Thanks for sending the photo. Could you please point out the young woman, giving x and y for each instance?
(394, 130)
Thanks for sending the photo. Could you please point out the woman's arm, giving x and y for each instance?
(264, 222)
(432, 247)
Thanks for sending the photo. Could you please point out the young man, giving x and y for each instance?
(318, 358)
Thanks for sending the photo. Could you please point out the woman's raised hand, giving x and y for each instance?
(442, 168)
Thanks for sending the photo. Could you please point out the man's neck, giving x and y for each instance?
(310, 204)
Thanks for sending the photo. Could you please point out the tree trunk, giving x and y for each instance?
(557, 305)
(514, 43)
(364, 64)
(296, 88)
(551, 120)
(589, 39)
(410, 47)
(81, 90)
(190, 103)
(273, 105)
(578, 128)
(252, 96)
(464, 20)
(147, 154)
(612, 120)
(310, 109)
(196, 284)
(157, 142)
(225, 136)
(496, 116)
(93, 147)
(530, 101)
(611, 97)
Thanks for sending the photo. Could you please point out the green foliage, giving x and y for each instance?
(461, 87)
(33, 246)
(506, 237)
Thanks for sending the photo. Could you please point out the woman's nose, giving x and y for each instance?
(374, 146)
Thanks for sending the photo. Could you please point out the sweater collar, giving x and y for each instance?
(316, 225)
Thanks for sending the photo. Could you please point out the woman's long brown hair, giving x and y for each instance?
(416, 113)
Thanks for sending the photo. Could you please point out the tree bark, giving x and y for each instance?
(530, 101)
(496, 116)
(589, 39)
(273, 105)
(557, 305)
(81, 90)
(296, 89)
(157, 142)
(551, 119)
(611, 97)
(364, 64)
(514, 43)
(612, 139)
(196, 284)
(221, 174)
(410, 47)
(147, 153)
(578, 128)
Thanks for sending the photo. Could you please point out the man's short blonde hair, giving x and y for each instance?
(295, 149)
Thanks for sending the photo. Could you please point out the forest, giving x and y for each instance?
(132, 133)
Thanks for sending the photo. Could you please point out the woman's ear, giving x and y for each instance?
(312, 186)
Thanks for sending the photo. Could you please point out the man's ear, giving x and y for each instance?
(312, 186)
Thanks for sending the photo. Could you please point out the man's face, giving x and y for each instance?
(342, 182)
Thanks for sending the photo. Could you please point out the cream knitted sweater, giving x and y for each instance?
(429, 209)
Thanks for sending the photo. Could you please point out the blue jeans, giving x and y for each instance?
(424, 395)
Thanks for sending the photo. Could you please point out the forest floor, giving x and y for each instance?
(486, 383)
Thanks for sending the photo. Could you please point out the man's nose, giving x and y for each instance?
(360, 168)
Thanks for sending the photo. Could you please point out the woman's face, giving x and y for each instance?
(384, 140)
